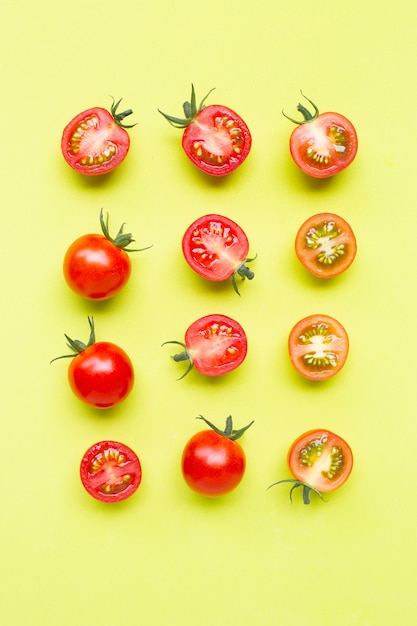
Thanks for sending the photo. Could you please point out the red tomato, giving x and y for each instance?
(322, 144)
(216, 248)
(318, 346)
(215, 139)
(320, 461)
(100, 374)
(213, 462)
(110, 471)
(96, 266)
(95, 141)
(214, 344)
(326, 245)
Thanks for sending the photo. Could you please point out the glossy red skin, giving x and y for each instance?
(102, 375)
(215, 255)
(96, 268)
(312, 475)
(316, 132)
(216, 139)
(110, 472)
(297, 348)
(308, 255)
(209, 350)
(105, 133)
(212, 464)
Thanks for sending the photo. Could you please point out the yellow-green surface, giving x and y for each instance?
(167, 556)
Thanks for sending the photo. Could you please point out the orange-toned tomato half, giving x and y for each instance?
(326, 245)
(318, 346)
(320, 461)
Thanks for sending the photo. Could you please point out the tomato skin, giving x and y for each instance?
(101, 375)
(94, 142)
(95, 268)
(326, 245)
(221, 153)
(216, 248)
(110, 471)
(212, 465)
(318, 347)
(311, 468)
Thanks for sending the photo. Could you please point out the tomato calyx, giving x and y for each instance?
(306, 489)
(122, 239)
(308, 117)
(78, 346)
(182, 356)
(119, 117)
(191, 110)
(229, 432)
(244, 272)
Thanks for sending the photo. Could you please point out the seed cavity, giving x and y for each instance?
(229, 133)
(333, 463)
(80, 142)
(320, 238)
(318, 358)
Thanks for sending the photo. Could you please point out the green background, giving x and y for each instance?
(167, 556)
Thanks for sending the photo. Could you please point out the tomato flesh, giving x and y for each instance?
(212, 465)
(216, 344)
(217, 141)
(321, 459)
(93, 143)
(110, 471)
(318, 346)
(215, 247)
(326, 245)
(325, 145)
(102, 375)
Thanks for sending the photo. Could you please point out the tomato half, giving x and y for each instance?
(323, 144)
(214, 344)
(320, 461)
(97, 267)
(326, 245)
(213, 462)
(318, 346)
(95, 141)
(110, 471)
(215, 138)
(216, 247)
(100, 374)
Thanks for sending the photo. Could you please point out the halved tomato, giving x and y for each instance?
(110, 471)
(95, 141)
(215, 138)
(323, 144)
(326, 245)
(320, 461)
(318, 346)
(215, 344)
(216, 247)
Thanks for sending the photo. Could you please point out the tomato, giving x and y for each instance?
(97, 267)
(326, 245)
(216, 248)
(215, 138)
(214, 345)
(95, 141)
(110, 471)
(322, 144)
(318, 346)
(320, 461)
(100, 374)
(213, 462)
